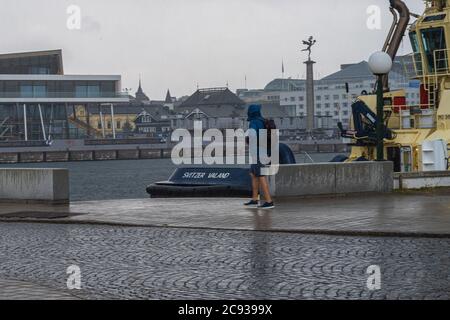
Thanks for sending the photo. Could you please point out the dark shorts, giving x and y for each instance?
(255, 169)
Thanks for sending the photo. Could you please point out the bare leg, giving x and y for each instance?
(263, 182)
(255, 187)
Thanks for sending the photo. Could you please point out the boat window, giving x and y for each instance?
(434, 45)
(414, 41)
(416, 51)
(438, 17)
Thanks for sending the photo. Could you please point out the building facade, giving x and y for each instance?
(39, 102)
(332, 99)
(219, 108)
(332, 102)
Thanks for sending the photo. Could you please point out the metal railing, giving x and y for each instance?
(418, 63)
(430, 77)
(440, 60)
(422, 116)
(306, 157)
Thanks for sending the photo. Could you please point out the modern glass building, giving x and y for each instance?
(39, 102)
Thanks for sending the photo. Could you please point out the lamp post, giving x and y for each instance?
(380, 63)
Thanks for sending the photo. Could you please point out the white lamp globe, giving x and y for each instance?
(380, 63)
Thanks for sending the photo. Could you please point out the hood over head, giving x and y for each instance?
(254, 112)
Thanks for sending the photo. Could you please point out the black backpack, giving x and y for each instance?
(269, 125)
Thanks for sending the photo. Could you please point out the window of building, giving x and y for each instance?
(109, 125)
(327, 97)
(146, 119)
(26, 91)
(118, 124)
(80, 91)
(40, 70)
(336, 97)
(327, 106)
(318, 98)
(33, 91)
(39, 91)
(93, 91)
(87, 91)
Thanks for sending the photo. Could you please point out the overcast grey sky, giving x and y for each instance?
(178, 43)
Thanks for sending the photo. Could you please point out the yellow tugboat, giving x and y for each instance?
(417, 137)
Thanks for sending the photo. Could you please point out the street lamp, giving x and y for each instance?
(380, 63)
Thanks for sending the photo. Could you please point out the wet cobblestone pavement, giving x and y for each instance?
(20, 290)
(160, 263)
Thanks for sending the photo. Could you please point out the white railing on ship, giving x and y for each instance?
(426, 119)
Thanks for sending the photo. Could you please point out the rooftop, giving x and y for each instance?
(284, 84)
(212, 97)
(403, 68)
(361, 70)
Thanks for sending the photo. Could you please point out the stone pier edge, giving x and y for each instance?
(329, 232)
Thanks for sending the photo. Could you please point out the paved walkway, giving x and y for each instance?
(412, 214)
(170, 263)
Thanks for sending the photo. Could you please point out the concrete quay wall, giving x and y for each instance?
(97, 155)
(130, 153)
(421, 180)
(332, 179)
(34, 185)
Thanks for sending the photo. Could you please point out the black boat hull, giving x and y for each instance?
(211, 182)
(176, 191)
(204, 182)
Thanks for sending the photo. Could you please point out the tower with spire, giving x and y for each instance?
(168, 97)
(169, 101)
(140, 95)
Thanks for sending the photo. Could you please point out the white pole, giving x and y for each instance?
(25, 121)
(42, 123)
(112, 119)
(102, 123)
